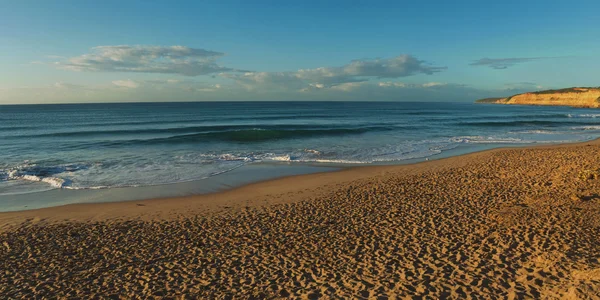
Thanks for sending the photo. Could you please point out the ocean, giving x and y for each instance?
(79, 147)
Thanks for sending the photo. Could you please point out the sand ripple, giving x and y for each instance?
(508, 224)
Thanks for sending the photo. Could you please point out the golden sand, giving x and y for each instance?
(508, 223)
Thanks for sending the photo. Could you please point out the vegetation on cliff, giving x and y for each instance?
(489, 100)
(567, 90)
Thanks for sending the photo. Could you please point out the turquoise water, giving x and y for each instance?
(105, 146)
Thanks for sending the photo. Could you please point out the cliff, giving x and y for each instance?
(575, 97)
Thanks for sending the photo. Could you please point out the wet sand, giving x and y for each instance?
(505, 223)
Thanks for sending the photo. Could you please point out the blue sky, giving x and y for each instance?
(90, 51)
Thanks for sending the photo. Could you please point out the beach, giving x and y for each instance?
(505, 223)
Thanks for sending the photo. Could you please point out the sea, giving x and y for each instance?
(70, 153)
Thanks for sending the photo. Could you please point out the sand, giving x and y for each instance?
(508, 223)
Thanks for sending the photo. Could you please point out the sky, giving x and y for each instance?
(143, 51)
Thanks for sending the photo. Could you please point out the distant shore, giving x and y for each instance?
(509, 222)
(582, 97)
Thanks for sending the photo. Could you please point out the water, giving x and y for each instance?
(104, 146)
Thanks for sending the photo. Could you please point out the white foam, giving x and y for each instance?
(285, 157)
(535, 132)
(590, 127)
(488, 140)
(335, 161)
(52, 181)
(188, 165)
(34, 173)
(232, 157)
(88, 188)
(584, 116)
(317, 152)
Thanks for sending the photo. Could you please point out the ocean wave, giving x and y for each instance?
(593, 116)
(65, 176)
(488, 140)
(52, 181)
(519, 117)
(203, 119)
(35, 173)
(539, 131)
(312, 151)
(427, 113)
(262, 135)
(300, 159)
(544, 116)
(336, 161)
(590, 127)
(250, 135)
(519, 123)
(12, 128)
(234, 131)
(190, 165)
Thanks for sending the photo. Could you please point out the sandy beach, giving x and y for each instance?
(506, 223)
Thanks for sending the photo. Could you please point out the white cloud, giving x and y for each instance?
(348, 86)
(432, 84)
(251, 80)
(505, 63)
(357, 80)
(168, 84)
(63, 85)
(324, 77)
(202, 87)
(121, 90)
(188, 90)
(188, 61)
(399, 66)
(179, 60)
(522, 87)
(410, 85)
(126, 83)
(391, 84)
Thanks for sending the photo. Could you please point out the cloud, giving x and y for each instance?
(166, 85)
(122, 90)
(343, 87)
(195, 88)
(521, 87)
(179, 60)
(432, 84)
(399, 66)
(395, 91)
(190, 90)
(410, 85)
(503, 63)
(327, 77)
(348, 86)
(64, 85)
(126, 83)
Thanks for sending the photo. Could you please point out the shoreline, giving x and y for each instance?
(235, 178)
(223, 200)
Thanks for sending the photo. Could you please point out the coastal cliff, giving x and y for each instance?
(575, 97)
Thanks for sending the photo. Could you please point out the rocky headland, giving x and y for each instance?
(575, 97)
